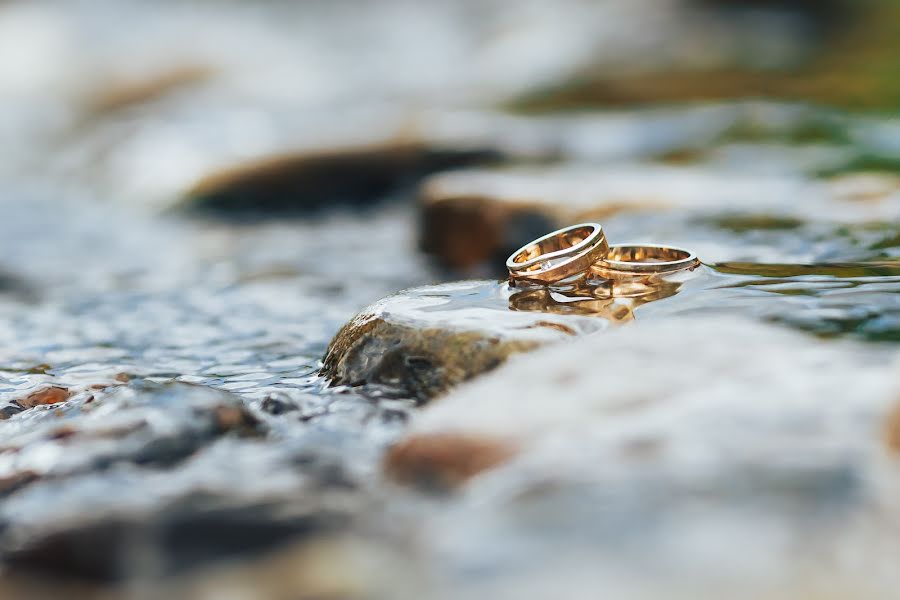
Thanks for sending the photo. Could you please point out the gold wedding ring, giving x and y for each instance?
(636, 260)
(558, 255)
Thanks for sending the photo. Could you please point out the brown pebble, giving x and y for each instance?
(49, 395)
(237, 419)
(444, 460)
(892, 430)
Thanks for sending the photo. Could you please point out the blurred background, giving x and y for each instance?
(196, 196)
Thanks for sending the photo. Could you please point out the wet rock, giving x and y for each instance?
(423, 341)
(302, 183)
(471, 217)
(16, 287)
(633, 442)
(160, 479)
(49, 395)
(10, 410)
(148, 425)
(278, 404)
(184, 535)
(7, 282)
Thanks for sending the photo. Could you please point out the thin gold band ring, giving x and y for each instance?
(635, 260)
(559, 254)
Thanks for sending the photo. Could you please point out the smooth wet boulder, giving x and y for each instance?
(660, 448)
(421, 342)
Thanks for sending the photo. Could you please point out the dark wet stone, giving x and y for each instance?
(304, 183)
(206, 417)
(184, 536)
(14, 286)
(278, 404)
(153, 425)
(6, 282)
(10, 410)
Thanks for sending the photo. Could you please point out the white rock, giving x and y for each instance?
(700, 458)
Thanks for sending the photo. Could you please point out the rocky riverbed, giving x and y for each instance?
(256, 339)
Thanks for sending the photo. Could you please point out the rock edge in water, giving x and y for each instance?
(421, 342)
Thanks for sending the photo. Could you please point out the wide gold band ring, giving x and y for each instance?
(636, 260)
(558, 255)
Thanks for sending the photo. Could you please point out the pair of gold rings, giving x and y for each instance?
(581, 248)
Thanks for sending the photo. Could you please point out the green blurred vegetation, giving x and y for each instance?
(740, 223)
(884, 268)
(856, 67)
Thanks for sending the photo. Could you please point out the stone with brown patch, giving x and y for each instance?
(445, 460)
